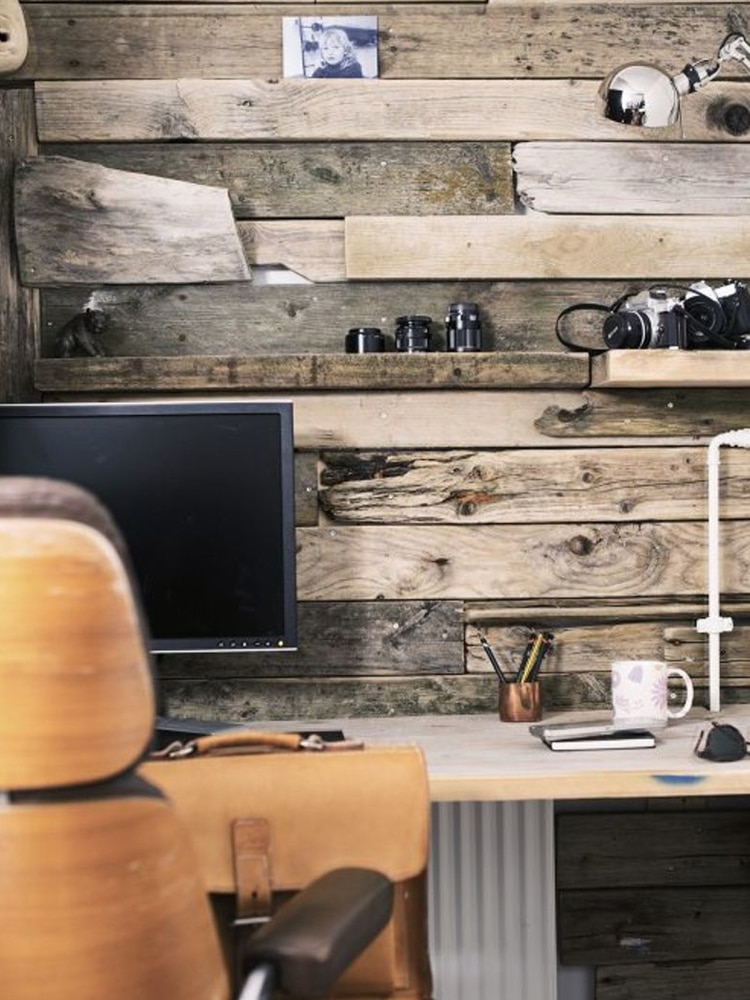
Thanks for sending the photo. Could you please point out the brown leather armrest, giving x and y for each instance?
(318, 933)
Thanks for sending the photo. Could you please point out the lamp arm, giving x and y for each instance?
(735, 47)
(698, 74)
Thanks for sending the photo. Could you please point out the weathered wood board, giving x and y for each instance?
(383, 638)
(526, 486)
(444, 110)
(622, 849)
(319, 698)
(659, 368)
(450, 562)
(667, 178)
(310, 372)
(19, 307)
(313, 249)
(719, 979)
(598, 927)
(482, 418)
(418, 40)
(327, 179)
(244, 318)
(541, 246)
(80, 223)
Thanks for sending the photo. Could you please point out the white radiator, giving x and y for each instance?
(492, 901)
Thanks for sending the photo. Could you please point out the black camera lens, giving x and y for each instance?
(413, 334)
(627, 329)
(365, 340)
(463, 327)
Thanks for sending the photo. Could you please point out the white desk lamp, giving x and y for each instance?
(642, 94)
(714, 624)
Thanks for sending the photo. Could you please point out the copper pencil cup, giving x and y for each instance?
(520, 702)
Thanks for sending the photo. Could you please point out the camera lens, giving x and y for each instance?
(413, 334)
(627, 329)
(463, 327)
(365, 340)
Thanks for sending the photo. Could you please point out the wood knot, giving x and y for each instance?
(736, 119)
(729, 116)
(580, 545)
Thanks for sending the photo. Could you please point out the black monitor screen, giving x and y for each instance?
(203, 493)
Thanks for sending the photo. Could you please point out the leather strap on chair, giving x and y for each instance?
(252, 865)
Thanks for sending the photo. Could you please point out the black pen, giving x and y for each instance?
(493, 659)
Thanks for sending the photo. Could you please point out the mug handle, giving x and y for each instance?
(679, 672)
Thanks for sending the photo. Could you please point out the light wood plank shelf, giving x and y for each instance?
(652, 369)
(487, 370)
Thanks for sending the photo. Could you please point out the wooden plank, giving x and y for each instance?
(656, 369)
(533, 485)
(150, 110)
(19, 307)
(541, 246)
(447, 695)
(685, 647)
(676, 848)
(328, 180)
(314, 249)
(720, 979)
(597, 927)
(251, 318)
(514, 561)
(504, 418)
(445, 110)
(604, 610)
(418, 40)
(579, 648)
(297, 698)
(382, 638)
(312, 372)
(667, 178)
(80, 223)
(305, 489)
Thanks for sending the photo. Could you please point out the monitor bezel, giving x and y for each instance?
(283, 409)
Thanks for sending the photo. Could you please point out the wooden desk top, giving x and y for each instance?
(477, 758)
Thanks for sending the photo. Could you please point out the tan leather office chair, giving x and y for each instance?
(101, 892)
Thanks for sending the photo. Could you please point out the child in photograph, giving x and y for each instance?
(337, 53)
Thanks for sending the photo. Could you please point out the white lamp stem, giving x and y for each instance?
(714, 624)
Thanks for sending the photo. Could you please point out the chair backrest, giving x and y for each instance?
(102, 895)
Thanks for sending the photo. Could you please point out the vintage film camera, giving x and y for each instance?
(702, 318)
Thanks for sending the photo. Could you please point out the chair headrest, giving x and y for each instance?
(76, 689)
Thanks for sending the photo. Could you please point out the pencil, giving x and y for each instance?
(493, 659)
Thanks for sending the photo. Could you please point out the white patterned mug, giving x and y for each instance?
(640, 692)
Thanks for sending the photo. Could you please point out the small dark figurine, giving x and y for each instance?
(79, 335)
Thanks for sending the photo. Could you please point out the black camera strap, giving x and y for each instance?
(579, 307)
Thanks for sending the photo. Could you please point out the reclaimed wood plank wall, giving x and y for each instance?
(442, 495)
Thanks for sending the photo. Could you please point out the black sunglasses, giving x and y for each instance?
(722, 742)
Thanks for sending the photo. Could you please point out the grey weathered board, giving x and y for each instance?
(667, 178)
(261, 109)
(19, 307)
(418, 40)
(81, 223)
(327, 179)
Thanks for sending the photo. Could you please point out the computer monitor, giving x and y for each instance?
(203, 493)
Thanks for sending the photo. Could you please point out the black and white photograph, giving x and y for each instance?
(331, 47)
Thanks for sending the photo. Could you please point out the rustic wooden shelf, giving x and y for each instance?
(651, 369)
(510, 369)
